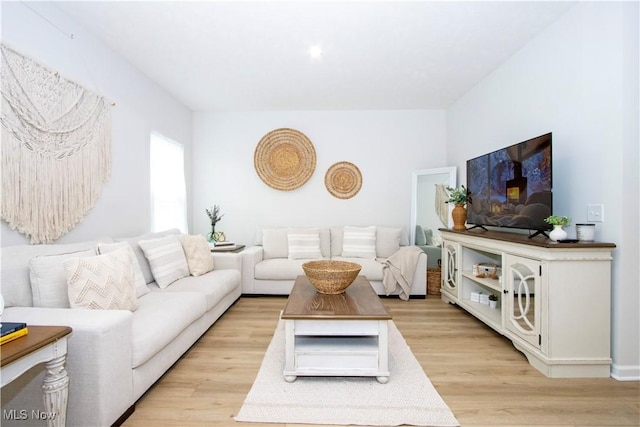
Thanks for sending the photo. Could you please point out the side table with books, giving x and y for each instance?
(9, 331)
(226, 247)
(39, 344)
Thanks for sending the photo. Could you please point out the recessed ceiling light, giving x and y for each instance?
(315, 52)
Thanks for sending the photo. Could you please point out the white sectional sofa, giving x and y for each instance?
(114, 356)
(268, 267)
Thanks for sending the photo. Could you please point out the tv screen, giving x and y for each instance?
(512, 187)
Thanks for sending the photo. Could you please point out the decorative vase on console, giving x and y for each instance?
(459, 215)
(460, 197)
(214, 217)
(557, 233)
(558, 222)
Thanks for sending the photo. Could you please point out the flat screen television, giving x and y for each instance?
(512, 187)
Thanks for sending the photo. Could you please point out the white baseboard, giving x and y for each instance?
(625, 372)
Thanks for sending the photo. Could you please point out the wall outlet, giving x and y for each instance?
(595, 213)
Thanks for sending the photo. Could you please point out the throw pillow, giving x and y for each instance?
(304, 243)
(142, 260)
(420, 238)
(387, 241)
(198, 254)
(436, 240)
(274, 243)
(138, 278)
(359, 242)
(428, 236)
(166, 259)
(49, 281)
(102, 282)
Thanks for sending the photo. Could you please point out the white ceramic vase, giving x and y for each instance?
(557, 233)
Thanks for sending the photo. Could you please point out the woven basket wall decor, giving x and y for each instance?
(284, 159)
(343, 180)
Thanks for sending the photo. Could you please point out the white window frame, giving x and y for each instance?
(167, 184)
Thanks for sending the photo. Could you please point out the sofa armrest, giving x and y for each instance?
(419, 283)
(434, 253)
(250, 257)
(98, 362)
(227, 261)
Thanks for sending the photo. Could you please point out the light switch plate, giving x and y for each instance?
(595, 213)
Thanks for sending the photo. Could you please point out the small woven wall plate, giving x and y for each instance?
(343, 180)
(284, 159)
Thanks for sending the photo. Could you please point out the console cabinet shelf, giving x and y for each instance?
(553, 298)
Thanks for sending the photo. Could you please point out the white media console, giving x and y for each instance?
(553, 298)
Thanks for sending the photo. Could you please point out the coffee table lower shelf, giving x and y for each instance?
(332, 349)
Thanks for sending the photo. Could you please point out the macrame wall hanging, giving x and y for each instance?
(56, 149)
(441, 205)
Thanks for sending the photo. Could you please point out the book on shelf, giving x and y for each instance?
(14, 335)
(7, 328)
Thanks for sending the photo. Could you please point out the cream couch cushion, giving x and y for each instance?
(166, 258)
(49, 280)
(387, 241)
(279, 269)
(371, 268)
(215, 285)
(198, 254)
(359, 242)
(159, 319)
(274, 242)
(303, 243)
(138, 278)
(137, 250)
(102, 282)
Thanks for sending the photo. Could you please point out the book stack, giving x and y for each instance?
(484, 298)
(475, 296)
(480, 297)
(12, 330)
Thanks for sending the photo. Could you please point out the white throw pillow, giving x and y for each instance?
(359, 242)
(49, 281)
(138, 278)
(198, 254)
(304, 243)
(387, 241)
(274, 243)
(166, 259)
(102, 282)
(436, 240)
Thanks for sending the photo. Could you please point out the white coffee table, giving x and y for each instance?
(336, 335)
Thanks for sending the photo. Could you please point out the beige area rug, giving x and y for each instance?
(408, 398)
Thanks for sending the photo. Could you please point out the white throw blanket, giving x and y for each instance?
(399, 269)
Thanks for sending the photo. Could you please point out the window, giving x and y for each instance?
(168, 188)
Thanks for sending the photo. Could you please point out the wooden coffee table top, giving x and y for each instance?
(359, 302)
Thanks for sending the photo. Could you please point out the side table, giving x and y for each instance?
(227, 248)
(46, 344)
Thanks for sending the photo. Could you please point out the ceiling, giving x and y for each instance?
(377, 55)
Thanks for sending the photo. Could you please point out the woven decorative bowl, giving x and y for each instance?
(331, 277)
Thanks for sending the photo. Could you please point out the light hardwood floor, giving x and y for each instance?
(483, 379)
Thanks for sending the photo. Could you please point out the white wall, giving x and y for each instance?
(578, 79)
(385, 145)
(141, 106)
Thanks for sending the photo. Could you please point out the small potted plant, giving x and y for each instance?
(558, 222)
(214, 218)
(460, 197)
(493, 300)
